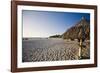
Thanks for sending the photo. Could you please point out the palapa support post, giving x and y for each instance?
(81, 38)
(80, 49)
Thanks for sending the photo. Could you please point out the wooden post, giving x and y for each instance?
(80, 49)
(81, 37)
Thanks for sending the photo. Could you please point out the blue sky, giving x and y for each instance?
(45, 24)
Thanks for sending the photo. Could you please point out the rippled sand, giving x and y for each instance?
(36, 50)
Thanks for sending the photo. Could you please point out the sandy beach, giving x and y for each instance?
(48, 49)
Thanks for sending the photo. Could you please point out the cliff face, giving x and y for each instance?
(80, 30)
